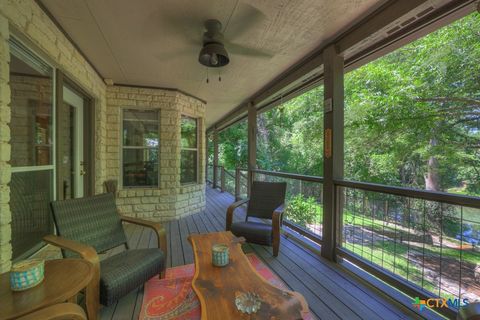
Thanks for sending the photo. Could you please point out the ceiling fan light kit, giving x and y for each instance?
(213, 55)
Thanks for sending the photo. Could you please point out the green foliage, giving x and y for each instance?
(233, 146)
(417, 104)
(290, 137)
(303, 211)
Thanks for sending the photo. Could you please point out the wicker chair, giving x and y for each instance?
(89, 225)
(266, 202)
(111, 187)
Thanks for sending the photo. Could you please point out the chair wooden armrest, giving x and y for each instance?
(230, 210)
(86, 252)
(156, 226)
(92, 292)
(61, 311)
(278, 213)
(277, 219)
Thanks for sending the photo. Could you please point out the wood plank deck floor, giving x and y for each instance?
(331, 292)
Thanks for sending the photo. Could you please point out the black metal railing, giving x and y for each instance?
(234, 182)
(209, 174)
(423, 242)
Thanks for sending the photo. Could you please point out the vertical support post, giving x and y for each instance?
(237, 184)
(59, 136)
(333, 149)
(252, 143)
(206, 158)
(215, 158)
(222, 179)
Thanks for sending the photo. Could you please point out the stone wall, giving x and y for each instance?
(5, 174)
(170, 200)
(26, 21)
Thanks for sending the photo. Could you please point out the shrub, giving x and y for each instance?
(303, 211)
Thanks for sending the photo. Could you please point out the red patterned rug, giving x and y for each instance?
(173, 298)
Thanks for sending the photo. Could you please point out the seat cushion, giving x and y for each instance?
(126, 271)
(256, 232)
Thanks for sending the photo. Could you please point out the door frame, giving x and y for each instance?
(88, 135)
(72, 98)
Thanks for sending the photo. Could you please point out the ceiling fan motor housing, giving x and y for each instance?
(213, 53)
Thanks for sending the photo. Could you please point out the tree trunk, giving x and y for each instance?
(263, 135)
(432, 178)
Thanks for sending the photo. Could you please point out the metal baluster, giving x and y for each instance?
(237, 184)
(222, 179)
(441, 251)
(461, 255)
(424, 239)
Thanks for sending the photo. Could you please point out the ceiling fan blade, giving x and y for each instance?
(162, 56)
(247, 51)
(178, 24)
(244, 18)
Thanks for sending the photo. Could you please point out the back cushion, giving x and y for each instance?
(93, 221)
(265, 198)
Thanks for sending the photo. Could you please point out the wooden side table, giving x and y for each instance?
(64, 278)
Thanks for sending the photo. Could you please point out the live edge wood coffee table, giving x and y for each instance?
(64, 278)
(216, 286)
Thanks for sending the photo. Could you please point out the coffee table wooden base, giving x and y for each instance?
(216, 286)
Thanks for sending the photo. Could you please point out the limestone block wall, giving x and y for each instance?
(170, 200)
(26, 20)
(5, 174)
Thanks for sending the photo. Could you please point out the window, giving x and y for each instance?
(32, 141)
(140, 148)
(189, 153)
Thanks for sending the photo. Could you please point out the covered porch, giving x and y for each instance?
(332, 291)
(133, 100)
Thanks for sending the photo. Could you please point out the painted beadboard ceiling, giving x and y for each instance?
(156, 43)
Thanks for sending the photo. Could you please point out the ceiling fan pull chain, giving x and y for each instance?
(219, 77)
(207, 75)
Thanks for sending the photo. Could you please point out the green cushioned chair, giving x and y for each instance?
(95, 226)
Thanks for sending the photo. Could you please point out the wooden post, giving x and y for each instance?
(222, 179)
(206, 158)
(333, 150)
(252, 143)
(237, 184)
(215, 158)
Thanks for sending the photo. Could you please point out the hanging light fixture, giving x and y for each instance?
(213, 55)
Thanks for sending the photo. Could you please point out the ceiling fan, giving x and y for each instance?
(217, 50)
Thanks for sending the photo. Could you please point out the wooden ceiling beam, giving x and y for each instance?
(374, 22)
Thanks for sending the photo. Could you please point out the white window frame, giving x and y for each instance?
(196, 149)
(122, 147)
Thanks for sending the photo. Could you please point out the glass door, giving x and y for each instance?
(32, 130)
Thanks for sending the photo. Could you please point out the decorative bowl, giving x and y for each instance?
(247, 302)
(220, 255)
(27, 274)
